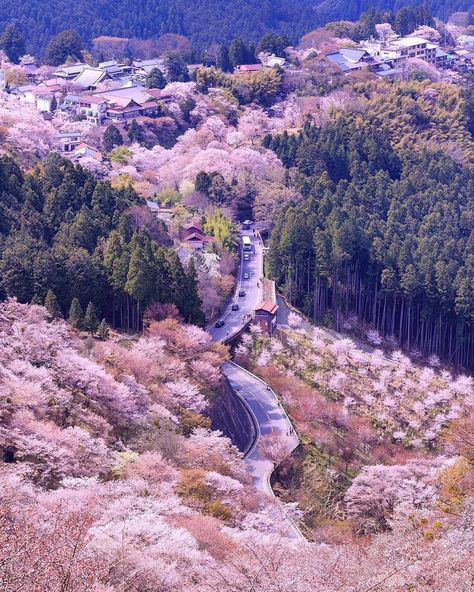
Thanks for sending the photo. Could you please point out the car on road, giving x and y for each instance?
(246, 256)
(241, 293)
(246, 276)
(247, 224)
(219, 324)
(235, 307)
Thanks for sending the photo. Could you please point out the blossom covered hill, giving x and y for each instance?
(379, 433)
(113, 481)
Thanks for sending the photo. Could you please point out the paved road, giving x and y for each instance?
(261, 402)
(253, 267)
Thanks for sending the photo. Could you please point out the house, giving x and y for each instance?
(94, 109)
(129, 101)
(465, 40)
(390, 73)
(44, 101)
(265, 315)
(197, 241)
(142, 68)
(31, 69)
(463, 60)
(272, 61)
(154, 207)
(90, 78)
(409, 47)
(83, 150)
(161, 96)
(69, 72)
(441, 58)
(122, 109)
(112, 69)
(136, 92)
(25, 93)
(194, 238)
(68, 141)
(192, 227)
(245, 68)
(70, 104)
(350, 59)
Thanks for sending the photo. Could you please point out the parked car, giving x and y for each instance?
(246, 276)
(241, 293)
(235, 307)
(220, 323)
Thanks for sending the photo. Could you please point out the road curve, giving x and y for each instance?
(260, 401)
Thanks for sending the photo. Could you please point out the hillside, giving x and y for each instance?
(204, 21)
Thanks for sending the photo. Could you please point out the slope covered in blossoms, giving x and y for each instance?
(378, 432)
(113, 481)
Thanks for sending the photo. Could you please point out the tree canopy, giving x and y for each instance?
(381, 234)
(69, 239)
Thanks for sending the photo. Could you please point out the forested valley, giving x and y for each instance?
(384, 233)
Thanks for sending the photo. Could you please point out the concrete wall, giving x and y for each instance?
(229, 415)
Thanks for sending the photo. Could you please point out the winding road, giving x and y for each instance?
(260, 401)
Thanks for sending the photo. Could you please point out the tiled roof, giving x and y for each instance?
(137, 93)
(249, 67)
(89, 77)
(157, 93)
(267, 306)
(92, 99)
(198, 236)
(192, 225)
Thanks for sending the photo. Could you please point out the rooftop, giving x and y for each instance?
(137, 93)
(407, 42)
(197, 236)
(89, 77)
(249, 67)
(192, 225)
(267, 306)
(92, 99)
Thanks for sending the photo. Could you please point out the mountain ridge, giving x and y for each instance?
(203, 21)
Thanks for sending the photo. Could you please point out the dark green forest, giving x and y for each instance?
(65, 233)
(203, 21)
(386, 235)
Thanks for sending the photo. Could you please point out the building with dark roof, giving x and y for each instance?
(265, 315)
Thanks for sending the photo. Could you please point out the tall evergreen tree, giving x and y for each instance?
(135, 132)
(64, 45)
(103, 331)
(91, 321)
(223, 59)
(176, 68)
(52, 306)
(112, 138)
(237, 52)
(12, 43)
(155, 79)
(75, 316)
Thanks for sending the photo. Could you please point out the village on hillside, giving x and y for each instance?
(118, 92)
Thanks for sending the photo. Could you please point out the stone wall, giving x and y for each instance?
(230, 416)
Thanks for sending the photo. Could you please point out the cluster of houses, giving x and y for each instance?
(108, 92)
(387, 58)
